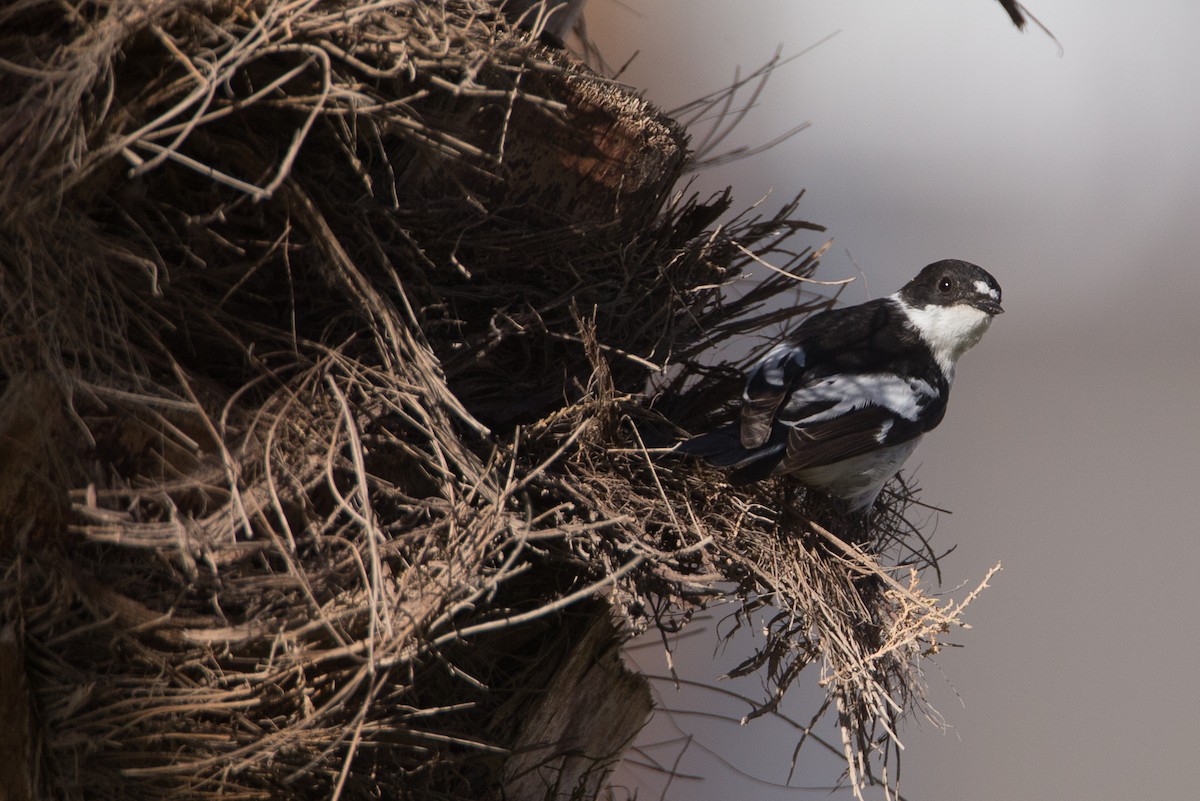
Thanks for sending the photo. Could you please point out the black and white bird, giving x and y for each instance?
(844, 401)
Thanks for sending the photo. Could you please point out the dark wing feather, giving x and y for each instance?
(847, 435)
(758, 415)
(720, 447)
(766, 387)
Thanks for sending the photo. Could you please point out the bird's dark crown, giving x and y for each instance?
(951, 282)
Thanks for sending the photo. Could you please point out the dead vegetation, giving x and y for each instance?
(328, 462)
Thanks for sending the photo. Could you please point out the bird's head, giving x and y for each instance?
(951, 304)
(951, 282)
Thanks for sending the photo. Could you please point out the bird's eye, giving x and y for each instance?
(945, 285)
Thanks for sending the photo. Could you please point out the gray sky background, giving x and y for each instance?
(1070, 450)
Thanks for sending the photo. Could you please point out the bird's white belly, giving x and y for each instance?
(859, 479)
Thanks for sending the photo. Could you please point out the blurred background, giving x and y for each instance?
(1071, 450)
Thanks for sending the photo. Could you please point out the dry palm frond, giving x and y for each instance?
(326, 331)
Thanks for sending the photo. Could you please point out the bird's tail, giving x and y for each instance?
(722, 447)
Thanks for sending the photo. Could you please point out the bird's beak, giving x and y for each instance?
(988, 305)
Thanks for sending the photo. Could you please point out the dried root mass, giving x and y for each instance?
(327, 327)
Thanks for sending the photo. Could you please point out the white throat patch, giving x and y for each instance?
(949, 331)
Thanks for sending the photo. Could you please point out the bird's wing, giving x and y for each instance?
(824, 344)
(840, 416)
(829, 390)
(830, 441)
(767, 386)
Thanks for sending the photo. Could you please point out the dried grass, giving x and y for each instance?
(350, 432)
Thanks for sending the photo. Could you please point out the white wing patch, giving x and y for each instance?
(904, 397)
